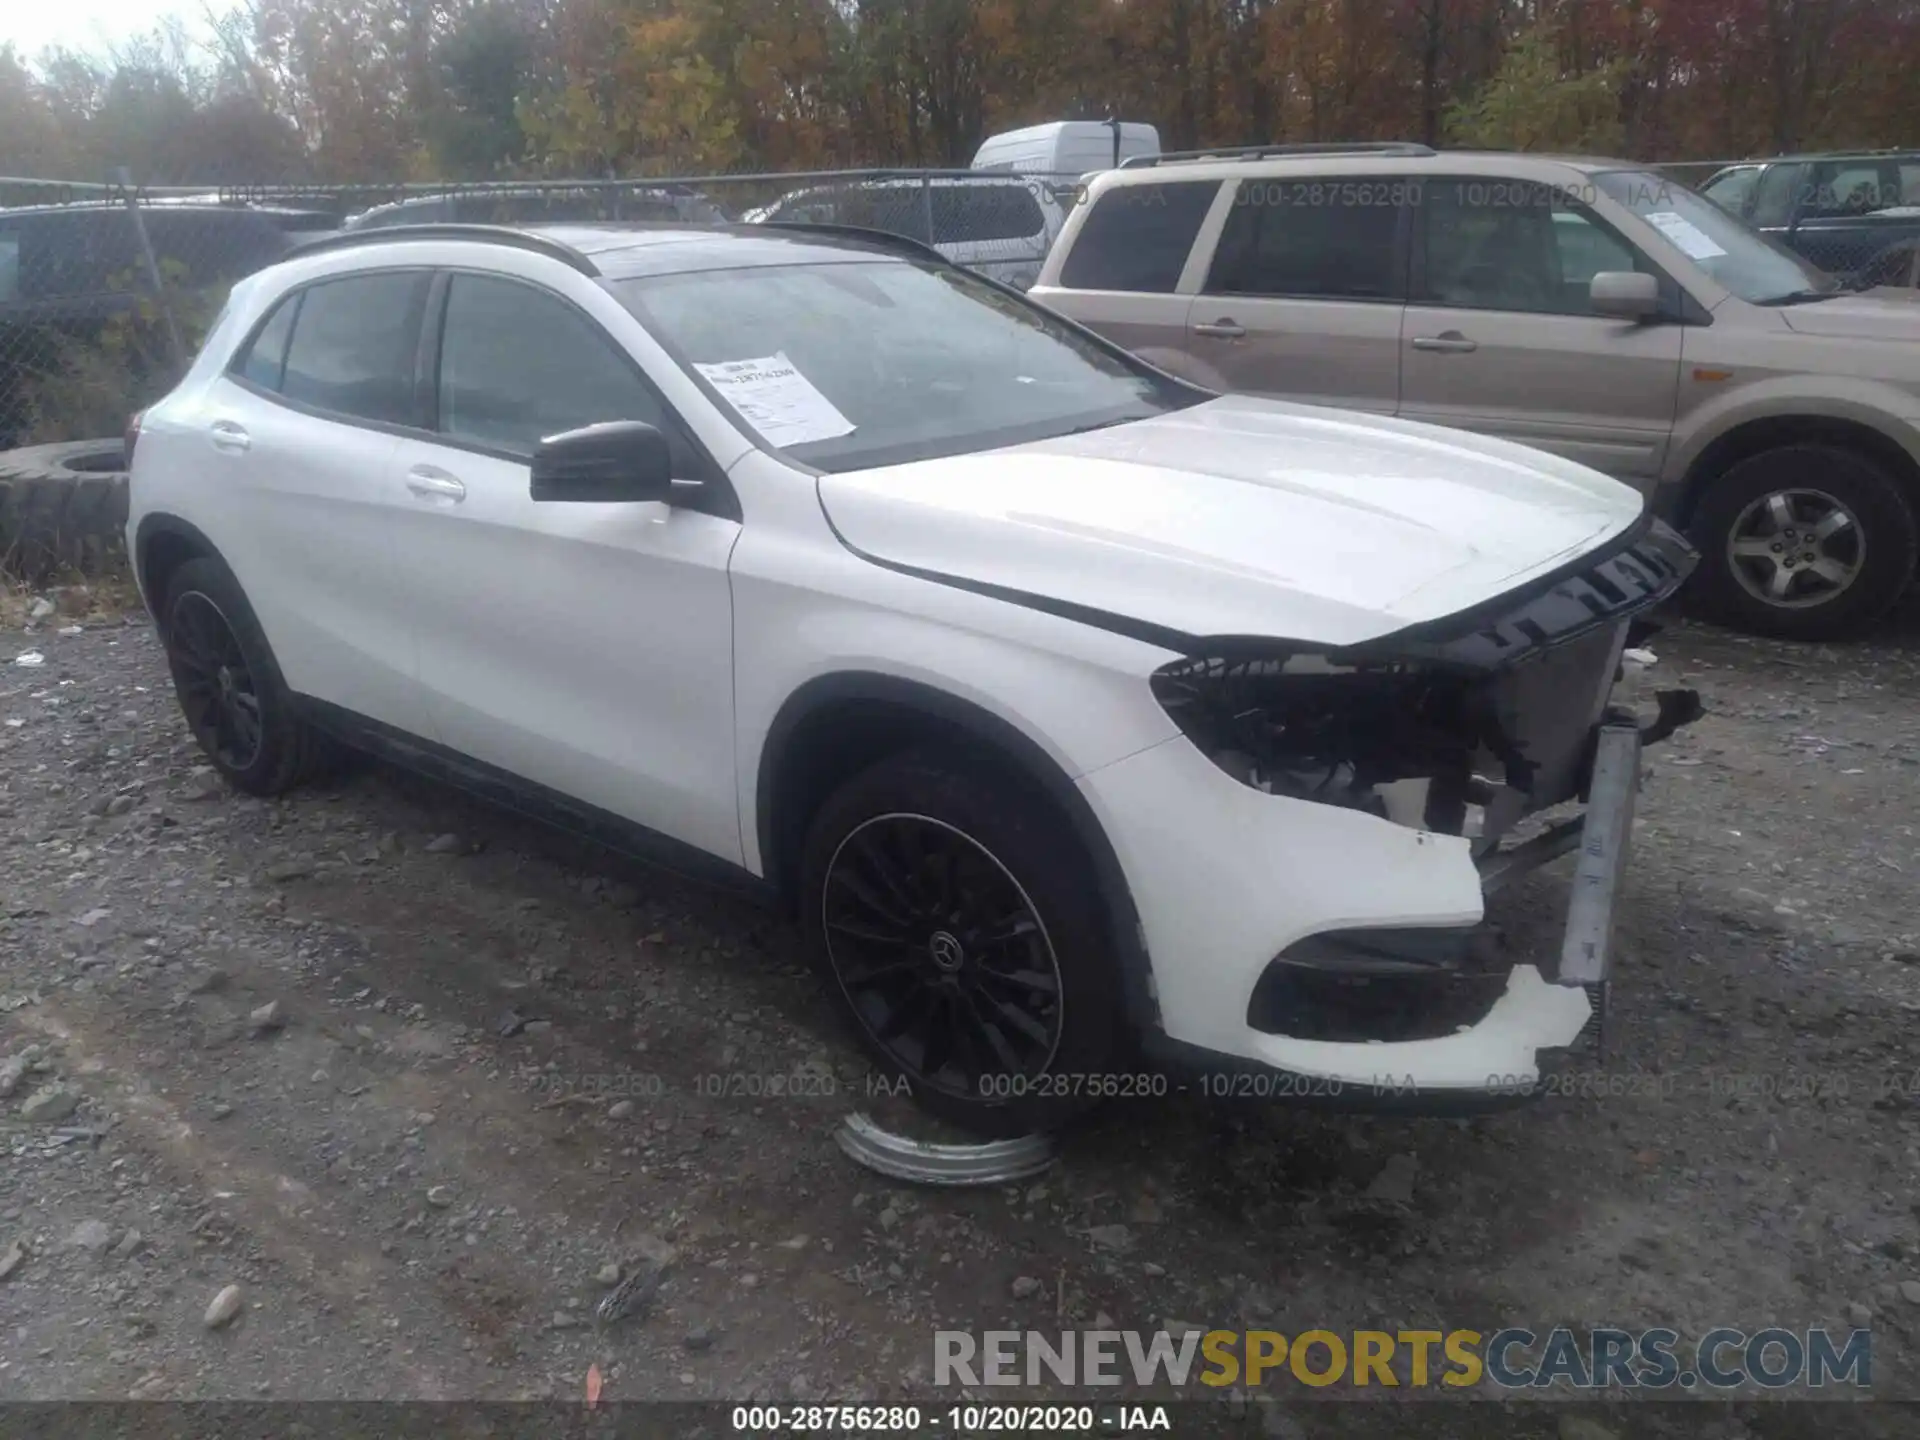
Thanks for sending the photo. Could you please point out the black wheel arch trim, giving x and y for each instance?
(992, 732)
(152, 527)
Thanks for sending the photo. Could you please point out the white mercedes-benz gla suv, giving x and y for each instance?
(1085, 718)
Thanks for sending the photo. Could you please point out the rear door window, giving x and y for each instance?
(353, 346)
(1313, 239)
(1138, 237)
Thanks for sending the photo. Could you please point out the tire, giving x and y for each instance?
(62, 505)
(881, 850)
(1874, 546)
(217, 655)
(67, 460)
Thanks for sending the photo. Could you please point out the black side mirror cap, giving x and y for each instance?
(619, 462)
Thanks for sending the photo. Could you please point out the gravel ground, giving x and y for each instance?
(422, 1083)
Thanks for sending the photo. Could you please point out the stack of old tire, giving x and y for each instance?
(63, 508)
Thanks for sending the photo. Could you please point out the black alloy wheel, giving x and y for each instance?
(217, 689)
(229, 684)
(959, 924)
(941, 954)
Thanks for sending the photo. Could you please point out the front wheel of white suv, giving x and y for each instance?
(957, 922)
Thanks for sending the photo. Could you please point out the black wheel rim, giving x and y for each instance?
(216, 686)
(942, 955)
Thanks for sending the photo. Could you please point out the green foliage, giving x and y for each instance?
(484, 63)
(1532, 103)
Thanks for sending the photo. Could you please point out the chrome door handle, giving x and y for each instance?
(1222, 329)
(431, 484)
(230, 437)
(1451, 343)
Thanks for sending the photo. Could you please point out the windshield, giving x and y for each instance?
(1740, 258)
(847, 366)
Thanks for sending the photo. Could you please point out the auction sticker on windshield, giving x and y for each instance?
(773, 396)
(1697, 244)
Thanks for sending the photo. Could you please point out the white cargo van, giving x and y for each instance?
(1067, 148)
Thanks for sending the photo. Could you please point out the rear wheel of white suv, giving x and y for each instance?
(229, 686)
(1806, 542)
(957, 921)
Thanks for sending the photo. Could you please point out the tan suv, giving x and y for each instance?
(1590, 308)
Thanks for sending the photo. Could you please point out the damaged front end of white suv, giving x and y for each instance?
(1438, 748)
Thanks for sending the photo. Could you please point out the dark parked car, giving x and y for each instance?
(66, 270)
(1856, 216)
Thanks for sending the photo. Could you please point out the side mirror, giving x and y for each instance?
(1624, 294)
(620, 462)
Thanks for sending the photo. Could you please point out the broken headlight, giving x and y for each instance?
(1398, 740)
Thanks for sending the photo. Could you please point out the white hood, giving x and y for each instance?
(1241, 516)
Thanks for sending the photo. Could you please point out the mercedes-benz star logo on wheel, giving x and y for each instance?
(947, 952)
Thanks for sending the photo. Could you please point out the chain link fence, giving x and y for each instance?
(105, 291)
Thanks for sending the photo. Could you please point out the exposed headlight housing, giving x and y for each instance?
(1494, 707)
(1303, 727)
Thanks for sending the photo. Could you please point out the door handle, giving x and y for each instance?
(1451, 343)
(1222, 329)
(230, 437)
(431, 484)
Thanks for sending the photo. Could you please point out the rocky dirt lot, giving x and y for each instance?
(422, 1084)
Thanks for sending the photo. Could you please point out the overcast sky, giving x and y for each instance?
(33, 25)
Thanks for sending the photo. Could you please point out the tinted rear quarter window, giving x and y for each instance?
(352, 350)
(1317, 239)
(264, 360)
(1138, 237)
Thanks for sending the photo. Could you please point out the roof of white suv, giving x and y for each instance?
(622, 250)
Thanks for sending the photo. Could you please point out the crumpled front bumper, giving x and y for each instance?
(1340, 950)
(1227, 879)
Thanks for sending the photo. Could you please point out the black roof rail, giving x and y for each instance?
(1263, 152)
(492, 234)
(890, 239)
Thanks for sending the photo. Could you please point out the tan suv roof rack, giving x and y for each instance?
(1263, 152)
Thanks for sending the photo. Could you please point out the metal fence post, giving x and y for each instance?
(926, 203)
(174, 344)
